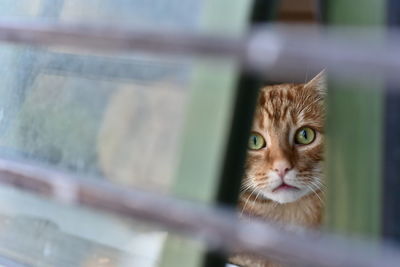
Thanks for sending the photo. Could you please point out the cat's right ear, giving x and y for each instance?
(318, 83)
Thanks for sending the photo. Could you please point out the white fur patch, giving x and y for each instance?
(284, 195)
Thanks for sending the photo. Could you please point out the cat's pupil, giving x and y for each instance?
(304, 134)
(255, 140)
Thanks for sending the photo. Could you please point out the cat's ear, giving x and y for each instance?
(318, 83)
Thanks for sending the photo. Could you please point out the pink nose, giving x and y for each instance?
(282, 167)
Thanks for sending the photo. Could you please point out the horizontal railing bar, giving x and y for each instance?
(275, 51)
(350, 52)
(113, 38)
(220, 228)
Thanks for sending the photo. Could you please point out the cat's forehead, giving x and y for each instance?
(289, 104)
(275, 95)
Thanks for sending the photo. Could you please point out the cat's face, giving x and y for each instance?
(285, 152)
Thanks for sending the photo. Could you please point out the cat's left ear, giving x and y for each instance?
(318, 83)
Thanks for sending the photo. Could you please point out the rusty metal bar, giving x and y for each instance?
(218, 227)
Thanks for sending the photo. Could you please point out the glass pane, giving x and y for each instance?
(72, 118)
(183, 14)
(131, 119)
(38, 232)
(95, 114)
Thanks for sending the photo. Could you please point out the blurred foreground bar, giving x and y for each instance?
(335, 48)
(219, 228)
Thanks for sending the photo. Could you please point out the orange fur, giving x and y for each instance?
(281, 110)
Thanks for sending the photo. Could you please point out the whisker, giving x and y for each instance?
(315, 192)
(248, 198)
(315, 179)
(257, 196)
(245, 186)
(320, 183)
(313, 189)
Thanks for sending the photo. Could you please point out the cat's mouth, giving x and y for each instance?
(284, 186)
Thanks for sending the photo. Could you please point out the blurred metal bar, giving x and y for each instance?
(219, 228)
(351, 52)
(266, 49)
(112, 39)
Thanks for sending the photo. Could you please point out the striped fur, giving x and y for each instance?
(281, 111)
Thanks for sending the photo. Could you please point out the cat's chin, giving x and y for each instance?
(283, 196)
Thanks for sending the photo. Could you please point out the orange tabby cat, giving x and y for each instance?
(283, 173)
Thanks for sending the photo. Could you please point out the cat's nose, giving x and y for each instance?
(281, 167)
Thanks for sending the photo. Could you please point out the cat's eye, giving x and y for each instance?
(256, 141)
(304, 136)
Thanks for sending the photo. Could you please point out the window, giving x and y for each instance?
(125, 118)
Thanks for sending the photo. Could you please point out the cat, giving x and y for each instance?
(283, 179)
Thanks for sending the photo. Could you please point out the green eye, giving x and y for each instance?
(256, 141)
(304, 136)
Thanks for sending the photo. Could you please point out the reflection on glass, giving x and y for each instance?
(115, 117)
